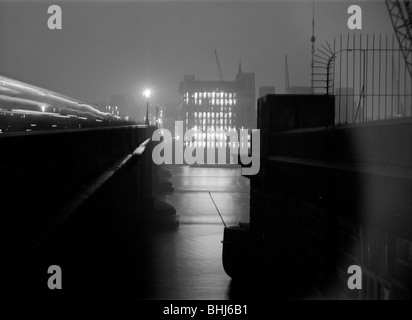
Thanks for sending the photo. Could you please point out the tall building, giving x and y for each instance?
(218, 105)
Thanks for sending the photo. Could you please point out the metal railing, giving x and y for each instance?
(368, 77)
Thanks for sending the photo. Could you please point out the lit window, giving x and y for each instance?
(195, 114)
(234, 101)
(213, 101)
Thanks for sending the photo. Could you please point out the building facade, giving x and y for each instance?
(218, 105)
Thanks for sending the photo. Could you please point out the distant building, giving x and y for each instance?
(264, 90)
(214, 105)
(123, 105)
(298, 90)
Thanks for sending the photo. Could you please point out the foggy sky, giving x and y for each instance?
(114, 47)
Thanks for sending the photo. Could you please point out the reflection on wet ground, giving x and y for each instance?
(196, 187)
(116, 254)
(189, 258)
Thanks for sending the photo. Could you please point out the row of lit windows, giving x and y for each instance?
(211, 95)
(212, 121)
(212, 114)
(213, 127)
(112, 110)
(222, 102)
(211, 135)
(215, 144)
(212, 109)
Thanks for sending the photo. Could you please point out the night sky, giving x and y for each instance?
(114, 47)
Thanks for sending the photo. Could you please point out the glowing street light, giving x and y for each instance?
(146, 94)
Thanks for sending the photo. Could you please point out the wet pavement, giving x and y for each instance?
(189, 258)
(113, 254)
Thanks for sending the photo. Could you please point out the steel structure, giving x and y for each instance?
(400, 13)
(219, 69)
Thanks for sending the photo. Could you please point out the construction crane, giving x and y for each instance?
(400, 13)
(287, 84)
(219, 69)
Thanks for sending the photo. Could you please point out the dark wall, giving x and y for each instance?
(327, 198)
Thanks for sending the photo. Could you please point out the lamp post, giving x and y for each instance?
(146, 94)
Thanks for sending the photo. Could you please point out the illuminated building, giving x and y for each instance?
(214, 108)
(122, 105)
(218, 105)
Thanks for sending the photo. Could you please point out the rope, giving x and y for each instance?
(217, 209)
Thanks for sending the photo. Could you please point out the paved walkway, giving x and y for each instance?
(189, 258)
(116, 255)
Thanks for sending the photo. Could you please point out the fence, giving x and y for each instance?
(368, 76)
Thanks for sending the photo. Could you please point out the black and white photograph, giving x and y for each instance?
(203, 158)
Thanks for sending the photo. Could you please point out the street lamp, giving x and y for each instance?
(146, 94)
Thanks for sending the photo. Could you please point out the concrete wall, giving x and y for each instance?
(328, 198)
(278, 112)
